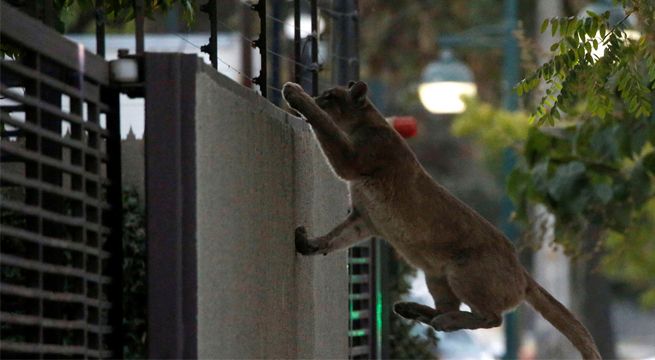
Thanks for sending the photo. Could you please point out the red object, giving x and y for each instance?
(404, 125)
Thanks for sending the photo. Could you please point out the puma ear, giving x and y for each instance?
(351, 83)
(358, 93)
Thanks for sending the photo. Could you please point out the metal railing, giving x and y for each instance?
(60, 197)
(362, 301)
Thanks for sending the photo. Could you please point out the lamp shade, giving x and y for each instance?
(443, 84)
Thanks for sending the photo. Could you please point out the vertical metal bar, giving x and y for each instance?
(511, 60)
(382, 315)
(353, 9)
(339, 44)
(246, 49)
(297, 42)
(115, 199)
(511, 73)
(212, 47)
(261, 80)
(345, 42)
(314, 35)
(49, 14)
(170, 205)
(48, 148)
(35, 171)
(100, 27)
(213, 37)
(276, 29)
(138, 22)
(373, 303)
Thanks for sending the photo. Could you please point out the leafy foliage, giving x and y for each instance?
(496, 128)
(597, 64)
(630, 254)
(121, 11)
(586, 171)
(134, 275)
(596, 164)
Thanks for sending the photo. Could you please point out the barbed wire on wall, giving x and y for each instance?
(307, 35)
(307, 68)
(228, 65)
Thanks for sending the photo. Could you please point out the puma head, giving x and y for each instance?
(348, 107)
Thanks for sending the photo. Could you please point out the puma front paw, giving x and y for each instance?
(302, 243)
(292, 93)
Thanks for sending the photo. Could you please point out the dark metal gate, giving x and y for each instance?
(60, 197)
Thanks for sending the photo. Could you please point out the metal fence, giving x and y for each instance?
(60, 197)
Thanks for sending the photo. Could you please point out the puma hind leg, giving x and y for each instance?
(448, 321)
(459, 320)
(444, 299)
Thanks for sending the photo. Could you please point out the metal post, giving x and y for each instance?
(49, 14)
(353, 61)
(375, 301)
(261, 44)
(170, 205)
(138, 22)
(212, 47)
(345, 62)
(314, 39)
(246, 49)
(276, 12)
(100, 27)
(510, 102)
(339, 46)
(297, 42)
(511, 70)
(115, 198)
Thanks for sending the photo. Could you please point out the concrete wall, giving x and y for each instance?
(259, 175)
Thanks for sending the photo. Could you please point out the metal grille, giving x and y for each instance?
(60, 197)
(362, 301)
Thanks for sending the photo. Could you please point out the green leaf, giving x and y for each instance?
(554, 23)
(544, 26)
(594, 27)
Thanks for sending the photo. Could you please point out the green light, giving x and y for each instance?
(355, 333)
(358, 260)
(378, 298)
(378, 313)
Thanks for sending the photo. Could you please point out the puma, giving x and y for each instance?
(464, 257)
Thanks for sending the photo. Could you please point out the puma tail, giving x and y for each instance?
(562, 319)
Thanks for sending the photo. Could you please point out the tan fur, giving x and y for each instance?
(465, 258)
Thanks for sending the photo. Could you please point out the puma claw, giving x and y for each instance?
(302, 243)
